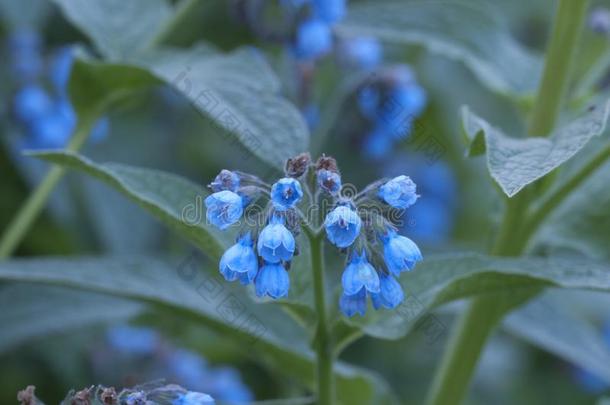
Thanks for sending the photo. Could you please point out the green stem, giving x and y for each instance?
(478, 321)
(557, 66)
(323, 343)
(28, 213)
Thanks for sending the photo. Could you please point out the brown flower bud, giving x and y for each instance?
(298, 165)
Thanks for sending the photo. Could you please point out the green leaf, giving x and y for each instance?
(177, 202)
(549, 323)
(238, 91)
(449, 277)
(514, 163)
(184, 290)
(470, 33)
(24, 13)
(117, 29)
(29, 312)
(582, 222)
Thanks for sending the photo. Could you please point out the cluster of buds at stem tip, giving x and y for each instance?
(359, 225)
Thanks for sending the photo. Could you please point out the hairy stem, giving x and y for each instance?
(323, 343)
(30, 210)
(478, 321)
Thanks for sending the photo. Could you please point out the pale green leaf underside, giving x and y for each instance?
(444, 278)
(516, 162)
(30, 311)
(548, 323)
(238, 91)
(174, 200)
(265, 329)
(470, 33)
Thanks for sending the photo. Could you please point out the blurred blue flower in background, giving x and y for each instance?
(361, 53)
(180, 366)
(41, 107)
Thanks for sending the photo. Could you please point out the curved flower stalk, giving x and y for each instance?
(362, 227)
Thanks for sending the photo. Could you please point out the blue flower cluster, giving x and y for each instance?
(356, 225)
(40, 106)
(181, 366)
(166, 394)
(389, 103)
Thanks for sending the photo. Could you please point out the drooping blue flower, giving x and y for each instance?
(286, 193)
(342, 226)
(133, 340)
(354, 304)
(362, 52)
(31, 103)
(224, 208)
(225, 180)
(226, 385)
(275, 242)
(399, 192)
(359, 274)
(378, 143)
(409, 99)
(390, 294)
(399, 252)
(272, 280)
(313, 39)
(329, 181)
(239, 262)
(193, 398)
(52, 131)
(330, 11)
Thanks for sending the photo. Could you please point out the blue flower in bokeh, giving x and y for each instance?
(224, 208)
(313, 39)
(239, 262)
(286, 193)
(342, 226)
(361, 52)
(31, 103)
(359, 274)
(25, 55)
(133, 339)
(276, 242)
(330, 11)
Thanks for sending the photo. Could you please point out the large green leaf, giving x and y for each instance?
(448, 277)
(31, 311)
(237, 91)
(514, 163)
(549, 323)
(117, 28)
(471, 33)
(177, 202)
(184, 290)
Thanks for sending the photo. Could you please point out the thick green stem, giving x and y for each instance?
(478, 321)
(30, 210)
(323, 343)
(557, 65)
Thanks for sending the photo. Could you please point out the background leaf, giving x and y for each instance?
(468, 32)
(549, 323)
(514, 163)
(184, 290)
(443, 278)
